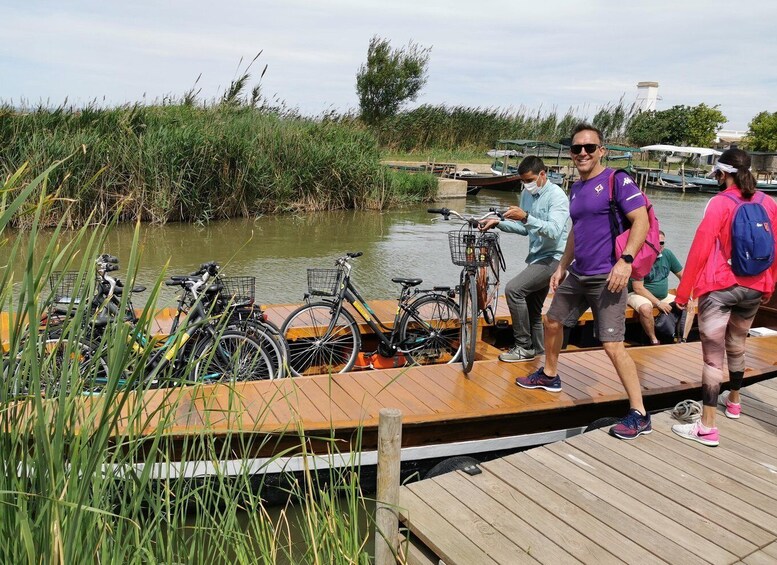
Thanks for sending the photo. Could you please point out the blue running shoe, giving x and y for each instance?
(538, 379)
(632, 426)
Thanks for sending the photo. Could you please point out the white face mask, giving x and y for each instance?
(531, 187)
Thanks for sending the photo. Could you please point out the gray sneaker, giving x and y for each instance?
(517, 355)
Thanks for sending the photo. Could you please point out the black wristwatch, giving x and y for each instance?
(628, 258)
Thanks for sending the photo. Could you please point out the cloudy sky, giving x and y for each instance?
(543, 55)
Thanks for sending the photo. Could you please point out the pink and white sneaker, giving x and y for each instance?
(733, 410)
(694, 432)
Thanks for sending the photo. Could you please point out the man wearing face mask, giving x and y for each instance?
(543, 216)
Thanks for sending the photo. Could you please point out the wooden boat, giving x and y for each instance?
(287, 429)
(478, 181)
(514, 148)
(661, 184)
(290, 429)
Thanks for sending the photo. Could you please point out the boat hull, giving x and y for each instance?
(505, 183)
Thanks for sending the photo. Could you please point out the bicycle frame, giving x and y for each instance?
(197, 321)
(349, 293)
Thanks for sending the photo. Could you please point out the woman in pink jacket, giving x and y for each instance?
(727, 302)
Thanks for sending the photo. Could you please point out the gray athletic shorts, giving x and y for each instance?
(578, 293)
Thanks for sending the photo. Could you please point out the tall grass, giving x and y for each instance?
(465, 128)
(78, 483)
(183, 162)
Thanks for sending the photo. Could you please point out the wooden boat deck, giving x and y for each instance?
(439, 403)
(385, 310)
(277, 313)
(597, 499)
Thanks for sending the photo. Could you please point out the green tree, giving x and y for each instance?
(679, 125)
(762, 132)
(646, 128)
(390, 78)
(702, 123)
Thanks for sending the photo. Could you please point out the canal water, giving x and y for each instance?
(409, 242)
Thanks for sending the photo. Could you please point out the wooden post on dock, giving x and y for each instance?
(386, 513)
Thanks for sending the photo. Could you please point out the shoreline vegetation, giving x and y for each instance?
(78, 485)
(179, 161)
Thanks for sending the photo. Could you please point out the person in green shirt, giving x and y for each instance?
(653, 290)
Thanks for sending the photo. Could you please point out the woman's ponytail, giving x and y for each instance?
(743, 178)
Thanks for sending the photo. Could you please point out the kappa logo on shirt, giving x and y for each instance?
(627, 180)
(599, 188)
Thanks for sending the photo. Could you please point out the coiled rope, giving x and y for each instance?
(687, 411)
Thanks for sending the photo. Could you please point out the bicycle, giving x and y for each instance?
(481, 259)
(233, 297)
(59, 343)
(200, 342)
(323, 335)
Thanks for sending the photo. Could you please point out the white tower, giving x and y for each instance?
(647, 95)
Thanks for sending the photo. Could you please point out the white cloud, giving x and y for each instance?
(555, 54)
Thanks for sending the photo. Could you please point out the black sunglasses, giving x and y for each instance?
(589, 148)
(661, 242)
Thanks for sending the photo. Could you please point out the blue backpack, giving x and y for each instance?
(752, 238)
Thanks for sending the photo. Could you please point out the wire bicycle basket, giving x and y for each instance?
(473, 249)
(63, 287)
(324, 282)
(238, 289)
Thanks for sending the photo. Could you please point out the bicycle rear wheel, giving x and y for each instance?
(319, 342)
(430, 331)
(232, 357)
(271, 340)
(468, 301)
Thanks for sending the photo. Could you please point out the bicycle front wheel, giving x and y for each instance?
(468, 309)
(232, 357)
(430, 331)
(319, 342)
(488, 288)
(71, 365)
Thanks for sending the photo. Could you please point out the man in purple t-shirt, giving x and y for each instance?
(595, 277)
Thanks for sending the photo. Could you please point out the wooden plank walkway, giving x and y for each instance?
(439, 403)
(597, 499)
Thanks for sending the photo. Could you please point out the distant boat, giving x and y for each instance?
(491, 181)
(661, 183)
(682, 181)
(543, 149)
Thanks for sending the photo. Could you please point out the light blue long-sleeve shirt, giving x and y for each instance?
(547, 225)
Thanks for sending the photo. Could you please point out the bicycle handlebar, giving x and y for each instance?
(211, 267)
(473, 221)
(105, 258)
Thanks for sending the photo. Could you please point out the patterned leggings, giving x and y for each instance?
(725, 316)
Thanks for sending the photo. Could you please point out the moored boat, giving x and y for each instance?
(478, 181)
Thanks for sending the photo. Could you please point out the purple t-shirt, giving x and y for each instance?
(589, 207)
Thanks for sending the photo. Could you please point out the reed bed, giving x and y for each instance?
(458, 128)
(78, 484)
(185, 162)
(182, 161)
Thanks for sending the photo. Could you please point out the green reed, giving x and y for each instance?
(185, 162)
(88, 479)
(459, 128)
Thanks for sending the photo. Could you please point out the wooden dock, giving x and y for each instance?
(597, 499)
(440, 404)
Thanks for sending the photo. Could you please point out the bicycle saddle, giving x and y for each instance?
(407, 282)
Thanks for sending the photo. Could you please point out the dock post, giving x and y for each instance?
(387, 497)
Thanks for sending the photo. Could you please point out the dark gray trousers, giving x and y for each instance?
(525, 296)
